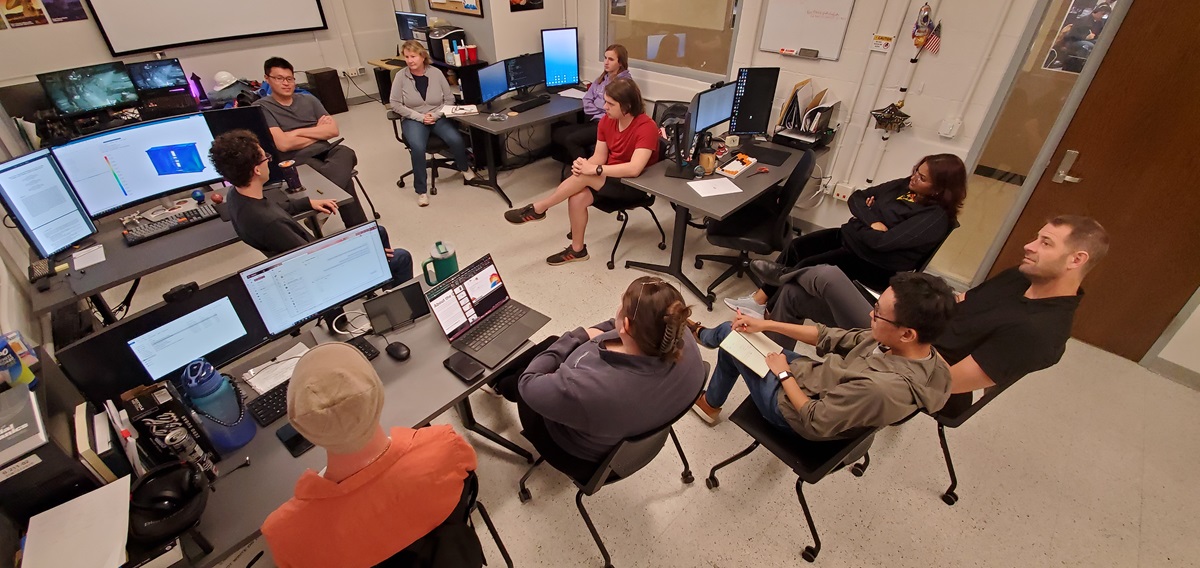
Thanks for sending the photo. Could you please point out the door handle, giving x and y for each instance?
(1061, 174)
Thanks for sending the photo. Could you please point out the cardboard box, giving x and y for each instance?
(157, 409)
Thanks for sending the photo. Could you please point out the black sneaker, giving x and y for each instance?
(523, 215)
(567, 255)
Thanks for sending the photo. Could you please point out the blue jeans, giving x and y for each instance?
(416, 135)
(764, 391)
(401, 263)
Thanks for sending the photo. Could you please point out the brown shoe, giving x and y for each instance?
(695, 328)
(705, 412)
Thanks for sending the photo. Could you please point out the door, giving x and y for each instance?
(1135, 132)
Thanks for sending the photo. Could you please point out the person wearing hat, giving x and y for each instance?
(380, 491)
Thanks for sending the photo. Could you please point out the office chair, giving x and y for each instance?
(871, 294)
(811, 461)
(453, 544)
(621, 462)
(957, 411)
(434, 150)
(763, 226)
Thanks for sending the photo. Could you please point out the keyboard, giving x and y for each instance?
(269, 406)
(531, 104)
(396, 62)
(493, 325)
(363, 346)
(143, 232)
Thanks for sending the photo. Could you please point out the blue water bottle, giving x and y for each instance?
(220, 405)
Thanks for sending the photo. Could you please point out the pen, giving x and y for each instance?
(321, 192)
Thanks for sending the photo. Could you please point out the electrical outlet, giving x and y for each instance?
(355, 72)
(949, 127)
(842, 191)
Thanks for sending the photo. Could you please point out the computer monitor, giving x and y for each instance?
(218, 322)
(467, 296)
(752, 100)
(131, 165)
(712, 107)
(89, 89)
(158, 75)
(247, 118)
(300, 285)
(525, 72)
(561, 49)
(493, 81)
(36, 195)
(407, 21)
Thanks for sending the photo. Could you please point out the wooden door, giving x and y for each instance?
(1136, 131)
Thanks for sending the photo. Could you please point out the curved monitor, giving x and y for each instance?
(36, 195)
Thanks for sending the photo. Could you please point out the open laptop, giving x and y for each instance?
(478, 316)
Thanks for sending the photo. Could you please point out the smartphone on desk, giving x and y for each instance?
(464, 367)
(295, 442)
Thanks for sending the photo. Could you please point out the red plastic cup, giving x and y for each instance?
(472, 53)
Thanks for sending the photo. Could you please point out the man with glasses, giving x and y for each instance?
(868, 378)
(301, 129)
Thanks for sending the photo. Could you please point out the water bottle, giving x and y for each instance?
(222, 411)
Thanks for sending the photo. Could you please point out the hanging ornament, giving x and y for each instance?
(890, 118)
(923, 26)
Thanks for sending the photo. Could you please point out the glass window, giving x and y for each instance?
(690, 38)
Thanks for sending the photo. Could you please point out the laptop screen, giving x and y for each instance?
(468, 296)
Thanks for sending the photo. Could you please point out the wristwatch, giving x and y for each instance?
(599, 170)
(783, 376)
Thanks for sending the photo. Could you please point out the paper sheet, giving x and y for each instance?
(716, 186)
(88, 256)
(274, 372)
(459, 110)
(751, 349)
(573, 94)
(95, 525)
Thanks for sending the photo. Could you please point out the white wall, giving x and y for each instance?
(517, 33)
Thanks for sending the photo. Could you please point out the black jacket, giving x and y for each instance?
(914, 230)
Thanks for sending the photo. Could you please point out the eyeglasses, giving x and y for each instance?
(264, 160)
(920, 176)
(642, 292)
(284, 80)
(875, 316)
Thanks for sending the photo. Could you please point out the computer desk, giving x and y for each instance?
(124, 263)
(558, 107)
(416, 392)
(655, 181)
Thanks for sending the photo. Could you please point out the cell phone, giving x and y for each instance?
(464, 367)
(296, 443)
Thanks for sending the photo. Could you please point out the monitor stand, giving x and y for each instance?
(525, 94)
(168, 208)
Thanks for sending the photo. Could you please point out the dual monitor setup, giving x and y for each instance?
(556, 66)
(745, 103)
(110, 86)
(53, 195)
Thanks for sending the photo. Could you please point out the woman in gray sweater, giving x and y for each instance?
(418, 94)
(595, 387)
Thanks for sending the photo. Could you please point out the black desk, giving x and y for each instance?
(416, 392)
(558, 107)
(654, 180)
(124, 263)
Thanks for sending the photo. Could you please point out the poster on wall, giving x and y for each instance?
(618, 7)
(523, 5)
(1077, 36)
(468, 7)
(65, 10)
(22, 13)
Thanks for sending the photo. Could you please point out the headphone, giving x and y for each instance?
(166, 501)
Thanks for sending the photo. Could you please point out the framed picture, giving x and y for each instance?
(468, 7)
(618, 7)
(523, 5)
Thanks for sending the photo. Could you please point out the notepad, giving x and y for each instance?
(715, 186)
(751, 349)
(85, 532)
(272, 373)
(572, 93)
(459, 110)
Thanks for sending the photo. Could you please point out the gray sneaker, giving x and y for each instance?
(747, 306)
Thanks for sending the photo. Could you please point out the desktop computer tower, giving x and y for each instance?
(324, 84)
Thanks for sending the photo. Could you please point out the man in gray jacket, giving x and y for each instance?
(868, 378)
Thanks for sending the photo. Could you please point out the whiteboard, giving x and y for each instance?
(130, 26)
(806, 24)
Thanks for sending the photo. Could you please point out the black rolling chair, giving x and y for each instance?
(453, 543)
(763, 226)
(957, 411)
(811, 461)
(872, 294)
(363, 191)
(622, 461)
(435, 149)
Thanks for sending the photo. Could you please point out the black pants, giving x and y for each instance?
(336, 165)
(825, 247)
(578, 140)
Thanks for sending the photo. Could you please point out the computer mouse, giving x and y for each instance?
(397, 351)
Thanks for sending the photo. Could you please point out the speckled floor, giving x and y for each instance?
(1087, 464)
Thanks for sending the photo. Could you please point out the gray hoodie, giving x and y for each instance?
(857, 386)
(407, 100)
(592, 398)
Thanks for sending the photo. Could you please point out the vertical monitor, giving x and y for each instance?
(525, 71)
(493, 81)
(300, 285)
(561, 49)
(162, 74)
(36, 195)
(123, 167)
(88, 89)
(712, 107)
(407, 21)
(753, 96)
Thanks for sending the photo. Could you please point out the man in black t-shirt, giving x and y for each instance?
(1012, 324)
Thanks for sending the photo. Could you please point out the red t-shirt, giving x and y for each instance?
(641, 133)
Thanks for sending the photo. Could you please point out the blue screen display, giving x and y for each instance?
(714, 106)
(493, 81)
(561, 48)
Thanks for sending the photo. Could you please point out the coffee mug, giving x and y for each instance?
(444, 261)
(708, 160)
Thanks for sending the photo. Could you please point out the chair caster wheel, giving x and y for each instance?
(687, 478)
(524, 495)
(662, 246)
(950, 498)
(699, 264)
(400, 183)
(611, 265)
(712, 482)
(433, 191)
(858, 470)
(809, 554)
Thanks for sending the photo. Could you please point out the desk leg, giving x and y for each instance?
(675, 269)
(468, 419)
(492, 181)
(106, 314)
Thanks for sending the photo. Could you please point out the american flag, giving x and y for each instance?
(934, 42)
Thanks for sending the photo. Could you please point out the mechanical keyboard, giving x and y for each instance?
(143, 232)
(531, 104)
(498, 321)
(269, 406)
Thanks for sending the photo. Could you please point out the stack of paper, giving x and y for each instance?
(751, 349)
(572, 93)
(85, 532)
(275, 371)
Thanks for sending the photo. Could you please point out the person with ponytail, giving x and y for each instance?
(597, 386)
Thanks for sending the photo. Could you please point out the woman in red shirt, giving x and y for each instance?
(626, 143)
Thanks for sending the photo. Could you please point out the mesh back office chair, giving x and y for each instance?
(453, 543)
(435, 149)
(811, 461)
(762, 226)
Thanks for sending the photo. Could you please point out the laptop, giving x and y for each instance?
(478, 316)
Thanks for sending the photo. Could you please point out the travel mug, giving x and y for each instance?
(290, 175)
